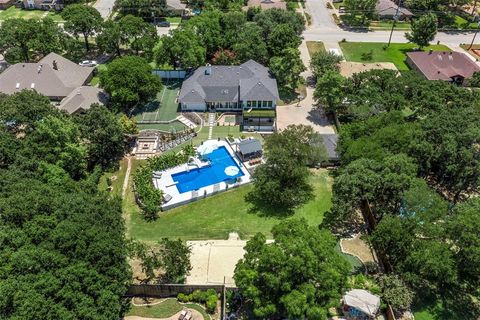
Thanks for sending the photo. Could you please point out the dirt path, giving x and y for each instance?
(127, 177)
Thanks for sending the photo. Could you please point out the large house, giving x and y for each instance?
(55, 77)
(249, 88)
(448, 66)
(43, 4)
(266, 4)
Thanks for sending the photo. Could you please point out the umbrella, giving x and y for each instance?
(231, 171)
(207, 147)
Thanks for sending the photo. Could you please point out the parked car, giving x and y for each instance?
(88, 63)
(342, 10)
(164, 24)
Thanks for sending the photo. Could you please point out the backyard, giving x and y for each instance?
(216, 216)
(13, 12)
(165, 309)
(378, 52)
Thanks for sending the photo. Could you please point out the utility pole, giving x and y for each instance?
(474, 36)
(395, 17)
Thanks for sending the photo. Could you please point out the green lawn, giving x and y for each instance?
(396, 52)
(433, 310)
(314, 47)
(14, 12)
(462, 23)
(117, 185)
(216, 216)
(174, 20)
(387, 25)
(164, 107)
(168, 127)
(166, 309)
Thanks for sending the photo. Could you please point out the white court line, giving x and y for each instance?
(161, 99)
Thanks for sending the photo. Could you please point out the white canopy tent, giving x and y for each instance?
(363, 301)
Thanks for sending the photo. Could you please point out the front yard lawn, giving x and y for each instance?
(387, 25)
(375, 52)
(216, 216)
(14, 12)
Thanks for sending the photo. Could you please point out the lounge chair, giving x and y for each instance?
(167, 197)
(188, 316)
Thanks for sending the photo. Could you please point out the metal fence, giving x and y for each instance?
(170, 74)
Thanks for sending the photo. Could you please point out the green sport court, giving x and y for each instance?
(164, 107)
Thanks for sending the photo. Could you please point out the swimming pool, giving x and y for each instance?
(222, 168)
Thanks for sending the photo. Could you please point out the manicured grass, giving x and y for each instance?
(14, 12)
(216, 216)
(168, 127)
(396, 52)
(174, 20)
(314, 47)
(118, 183)
(387, 25)
(462, 23)
(166, 309)
(96, 79)
(164, 107)
(433, 310)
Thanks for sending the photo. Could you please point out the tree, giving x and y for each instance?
(181, 50)
(17, 34)
(49, 37)
(366, 8)
(324, 61)
(424, 30)
(269, 20)
(129, 125)
(395, 292)
(474, 81)
(281, 184)
(207, 30)
(104, 135)
(146, 9)
(224, 57)
(175, 260)
(250, 44)
(110, 39)
(82, 19)
(281, 38)
(298, 276)
(287, 68)
(137, 34)
(129, 81)
(232, 24)
(329, 91)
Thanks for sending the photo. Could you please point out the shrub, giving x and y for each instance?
(211, 303)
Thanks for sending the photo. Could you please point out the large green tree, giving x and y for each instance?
(181, 49)
(82, 20)
(424, 30)
(298, 276)
(250, 44)
(281, 184)
(287, 68)
(324, 61)
(129, 81)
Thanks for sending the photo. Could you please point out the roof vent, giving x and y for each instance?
(208, 69)
(39, 68)
(430, 51)
(450, 57)
(32, 86)
(225, 91)
(55, 65)
(17, 86)
(440, 57)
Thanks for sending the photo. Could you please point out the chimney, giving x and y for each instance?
(430, 51)
(55, 66)
(39, 69)
(208, 69)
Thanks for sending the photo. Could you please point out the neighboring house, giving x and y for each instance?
(266, 4)
(80, 99)
(330, 142)
(177, 7)
(5, 4)
(249, 88)
(454, 67)
(54, 77)
(43, 4)
(359, 304)
(387, 9)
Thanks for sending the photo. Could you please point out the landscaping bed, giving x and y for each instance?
(314, 47)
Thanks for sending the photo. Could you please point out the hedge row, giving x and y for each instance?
(148, 197)
(209, 298)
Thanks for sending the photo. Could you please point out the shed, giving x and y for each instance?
(248, 149)
(360, 304)
(330, 142)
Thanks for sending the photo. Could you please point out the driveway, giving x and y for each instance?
(105, 7)
(304, 113)
(321, 16)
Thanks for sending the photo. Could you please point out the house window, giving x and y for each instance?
(254, 104)
(270, 104)
(265, 104)
(235, 105)
(249, 103)
(259, 104)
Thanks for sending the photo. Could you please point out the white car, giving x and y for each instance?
(88, 63)
(335, 51)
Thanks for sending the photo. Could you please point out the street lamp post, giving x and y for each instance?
(395, 17)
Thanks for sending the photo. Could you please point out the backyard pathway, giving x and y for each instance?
(211, 123)
(127, 177)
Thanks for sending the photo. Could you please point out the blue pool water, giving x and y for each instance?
(196, 178)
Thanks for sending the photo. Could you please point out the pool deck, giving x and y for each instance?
(166, 183)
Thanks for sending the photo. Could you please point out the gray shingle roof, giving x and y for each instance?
(80, 99)
(44, 78)
(330, 141)
(249, 146)
(389, 8)
(248, 81)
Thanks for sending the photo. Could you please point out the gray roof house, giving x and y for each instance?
(330, 142)
(229, 87)
(387, 9)
(57, 78)
(249, 148)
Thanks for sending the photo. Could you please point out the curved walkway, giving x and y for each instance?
(195, 316)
